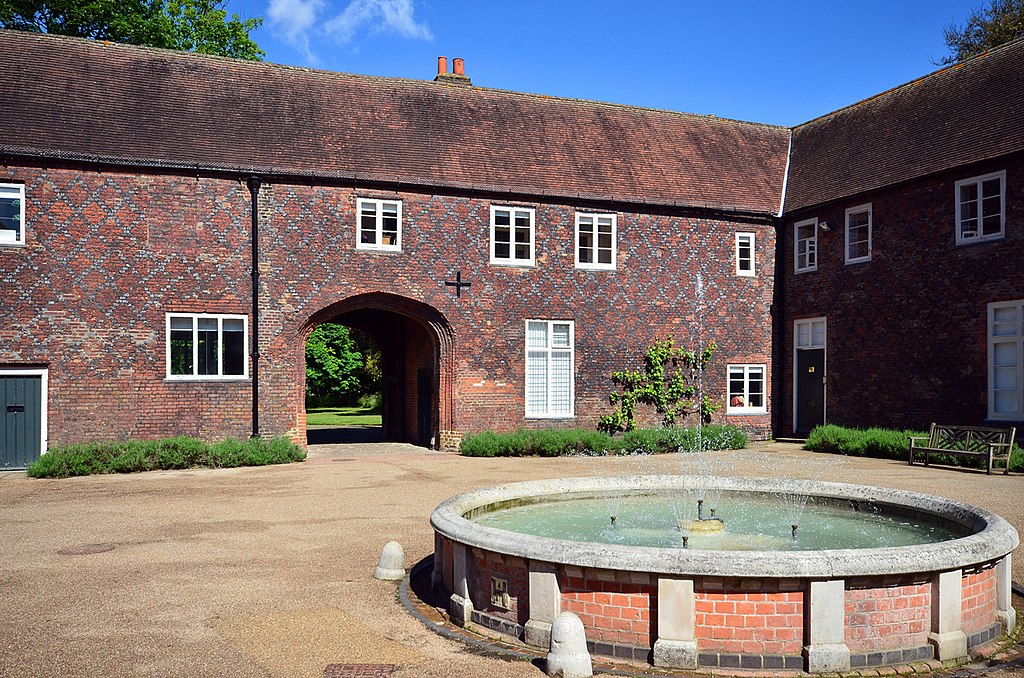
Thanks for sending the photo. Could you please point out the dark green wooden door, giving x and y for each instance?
(810, 389)
(21, 422)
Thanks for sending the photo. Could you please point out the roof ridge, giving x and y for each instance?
(321, 72)
(942, 71)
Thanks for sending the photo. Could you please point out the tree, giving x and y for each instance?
(333, 365)
(191, 25)
(986, 27)
(668, 382)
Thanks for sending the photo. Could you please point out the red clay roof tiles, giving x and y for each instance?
(79, 98)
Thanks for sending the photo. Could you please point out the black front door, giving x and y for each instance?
(21, 422)
(810, 389)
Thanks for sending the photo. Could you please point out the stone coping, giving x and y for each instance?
(991, 537)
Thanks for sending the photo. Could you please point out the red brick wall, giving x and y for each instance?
(750, 623)
(978, 594)
(110, 252)
(517, 577)
(888, 618)
(614, 612)
(906, 331)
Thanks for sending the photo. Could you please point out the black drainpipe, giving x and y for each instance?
(254, 193)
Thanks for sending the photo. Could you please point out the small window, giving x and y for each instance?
(1006, 360)
(380, 224)
(858, 234)
(512, 236)
(12, 214)
(595, 240)
(980, 208)
(806, 245)
(810, 333)
(745, 254)
(549, 368)
(207, 346)
(746, 389)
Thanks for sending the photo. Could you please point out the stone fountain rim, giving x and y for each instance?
(992, 539)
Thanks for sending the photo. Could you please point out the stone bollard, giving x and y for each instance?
(568, 656)
(392, 562)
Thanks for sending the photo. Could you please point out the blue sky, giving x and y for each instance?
(773, 62)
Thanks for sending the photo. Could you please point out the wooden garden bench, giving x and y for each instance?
(995, 444)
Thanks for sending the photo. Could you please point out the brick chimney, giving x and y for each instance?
(458, 77)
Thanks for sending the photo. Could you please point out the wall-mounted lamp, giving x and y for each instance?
(823, 225)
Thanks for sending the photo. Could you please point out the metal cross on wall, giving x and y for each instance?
(457, 283)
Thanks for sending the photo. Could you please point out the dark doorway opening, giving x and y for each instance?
(409, 345)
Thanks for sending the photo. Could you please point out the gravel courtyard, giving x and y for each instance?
(268, 571)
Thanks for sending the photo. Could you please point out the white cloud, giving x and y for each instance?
(293, 19)
(394, 16)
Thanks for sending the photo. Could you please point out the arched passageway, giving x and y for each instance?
(415, 342)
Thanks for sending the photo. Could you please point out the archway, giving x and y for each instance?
(415, 342)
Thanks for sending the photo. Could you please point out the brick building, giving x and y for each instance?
(133, 182)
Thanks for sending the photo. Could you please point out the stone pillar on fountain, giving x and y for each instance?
(826, 649)
(1005, 613)
(545, 604)
(947, 634)
(460, 606)
(676, 646)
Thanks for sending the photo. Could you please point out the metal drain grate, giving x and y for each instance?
(359, 670)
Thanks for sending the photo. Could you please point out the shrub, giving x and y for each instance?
(169, 453)
(884, 443)
(559, 442)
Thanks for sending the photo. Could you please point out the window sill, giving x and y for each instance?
(549, 417)
(741, 413)
(798, 271)
(512, 264)
(854, 262)
(207, 379)
(14, 245)
(595, 267)
(379, 248)
(979, 239)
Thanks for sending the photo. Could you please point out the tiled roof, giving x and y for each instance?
(74, 98)
(962, 114)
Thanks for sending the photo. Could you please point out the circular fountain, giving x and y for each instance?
(734, 596)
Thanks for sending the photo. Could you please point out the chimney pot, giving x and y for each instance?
(442, 65)
(458, 66)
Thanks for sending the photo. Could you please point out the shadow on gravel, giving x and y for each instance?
(344, 435)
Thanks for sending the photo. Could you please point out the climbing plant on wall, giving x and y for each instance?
(668, 383)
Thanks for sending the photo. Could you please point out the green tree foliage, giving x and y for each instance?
(667, 382)
(987, 27)
(191, 25)
(334, 365)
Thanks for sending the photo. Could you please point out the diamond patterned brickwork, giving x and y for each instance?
(110, 253)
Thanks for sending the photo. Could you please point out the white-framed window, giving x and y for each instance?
(380, 224)
(858, 234)
(980, 208)
(12, 214)
(207, 346)
(746, 389)
(1006, 360)
(745, 254)
(810, 333)
(512, 235)
(595, 240)
(550, 360)
(805, 245)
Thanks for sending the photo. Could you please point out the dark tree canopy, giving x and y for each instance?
(986, 27)
(191, 25)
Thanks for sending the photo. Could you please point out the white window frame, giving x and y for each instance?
(378, 243)
(747, 369)
(1017, 340)
(550, 350)
(511, 260)
(595, 217)
(17, 192)
(747, 271)
(813, 250)
(859, 209)
(962, 239)
(220, 376)
(44, 412)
